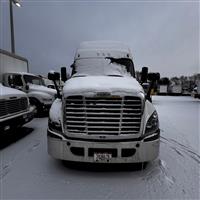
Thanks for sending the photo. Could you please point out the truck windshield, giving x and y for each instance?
(108, 66)
(33, 80)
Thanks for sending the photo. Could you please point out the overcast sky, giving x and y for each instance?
(162, 35)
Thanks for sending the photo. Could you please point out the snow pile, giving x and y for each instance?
(10, 92)
(41, 88)
(96, 84)
(99, 67)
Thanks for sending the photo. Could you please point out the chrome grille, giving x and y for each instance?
(12, 106)
(103, 115)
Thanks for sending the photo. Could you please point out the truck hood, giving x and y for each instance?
(7, 92)
(94, 84)
(41, 88)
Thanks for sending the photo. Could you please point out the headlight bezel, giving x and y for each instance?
(152, 124)
(54, 126)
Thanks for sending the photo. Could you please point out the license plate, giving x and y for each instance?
(102, 157)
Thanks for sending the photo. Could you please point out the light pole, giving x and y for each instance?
(16, 2)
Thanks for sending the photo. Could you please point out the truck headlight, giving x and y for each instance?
(152, 124)
(55, 126)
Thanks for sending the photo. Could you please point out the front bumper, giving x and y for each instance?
(16, 120)
(141, 150)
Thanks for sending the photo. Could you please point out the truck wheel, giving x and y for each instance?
(38, 106)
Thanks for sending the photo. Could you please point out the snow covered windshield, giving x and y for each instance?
(33, 80)
(108, 66)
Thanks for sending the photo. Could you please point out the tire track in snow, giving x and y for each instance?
(159, 168)
(158, 176)
(34, 146)
(178, 152)
(6, 169)
(7, 164)
(180, 149)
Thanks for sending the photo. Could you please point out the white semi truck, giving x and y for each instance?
(15, 109)
(102, 114)
(14, 72)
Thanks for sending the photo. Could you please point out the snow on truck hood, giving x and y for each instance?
(93, 84)
(7, 92)
(41, 88)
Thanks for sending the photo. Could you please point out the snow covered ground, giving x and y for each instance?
(27, 172)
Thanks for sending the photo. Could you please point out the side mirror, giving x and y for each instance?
(51, 76)
(63, 74)
(54, 76)
(144, 74)
(154, 76)
(73, 69)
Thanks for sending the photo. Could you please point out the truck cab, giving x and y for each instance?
(103, 115)
(40, 95)
(15, 109)
(14, 73)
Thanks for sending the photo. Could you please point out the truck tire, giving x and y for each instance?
(38, 106)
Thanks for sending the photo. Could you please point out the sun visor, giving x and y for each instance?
(98, 53)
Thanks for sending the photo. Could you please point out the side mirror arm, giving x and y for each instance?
(148, 96)
(153, 77)
(57, 90)
(53, 76)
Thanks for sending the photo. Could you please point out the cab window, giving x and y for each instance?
(15, 80)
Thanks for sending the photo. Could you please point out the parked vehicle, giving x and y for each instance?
(175, 89)
(15, 110)
(48, 83)
(196, 90)
(145, 79)
(163, 85)
(103, 115)
(175, 86)
(14, 72)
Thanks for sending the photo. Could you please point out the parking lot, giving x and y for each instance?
(28, 172)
